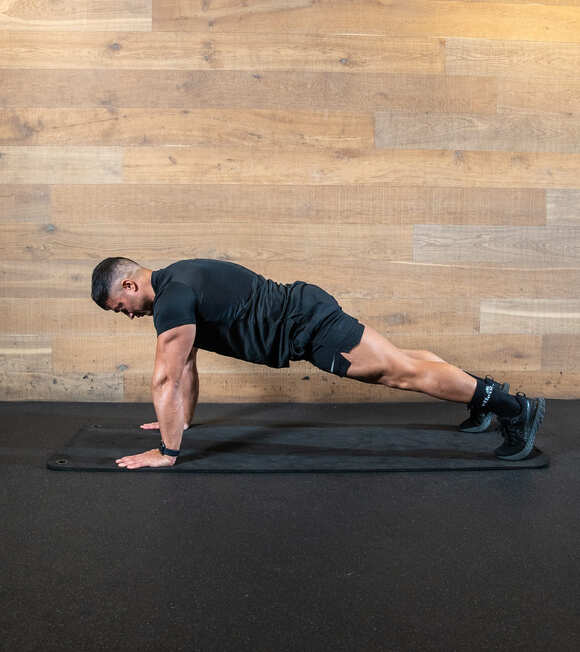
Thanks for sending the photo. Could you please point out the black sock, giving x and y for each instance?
(490, 396)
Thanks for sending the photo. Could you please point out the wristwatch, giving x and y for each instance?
(167, 451)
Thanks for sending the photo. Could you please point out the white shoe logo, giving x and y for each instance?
(488, 391)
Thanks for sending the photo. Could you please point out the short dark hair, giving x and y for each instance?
(106, 274)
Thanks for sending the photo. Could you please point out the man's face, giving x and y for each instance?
(129, 300)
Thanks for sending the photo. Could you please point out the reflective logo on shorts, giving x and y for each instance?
(332, 365)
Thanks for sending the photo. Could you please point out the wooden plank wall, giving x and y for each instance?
(420, 159)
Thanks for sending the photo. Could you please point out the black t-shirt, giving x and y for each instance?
(237, 312)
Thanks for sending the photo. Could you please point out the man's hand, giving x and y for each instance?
(151, 458)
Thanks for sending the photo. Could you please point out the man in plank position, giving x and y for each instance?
(221, 306)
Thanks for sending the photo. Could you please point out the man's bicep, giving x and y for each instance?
(174, 350)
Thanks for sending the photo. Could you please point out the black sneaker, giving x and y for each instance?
(479, 420)
(519, 432)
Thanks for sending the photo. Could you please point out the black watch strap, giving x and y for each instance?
(167, 451)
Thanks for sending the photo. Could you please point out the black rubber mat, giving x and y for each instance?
(271, 448)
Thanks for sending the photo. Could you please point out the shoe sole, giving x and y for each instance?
(484, 425)
(538, 418)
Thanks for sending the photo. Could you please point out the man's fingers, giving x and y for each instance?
(127, 462)
(131, 465)
(155, 426)
(148, 458)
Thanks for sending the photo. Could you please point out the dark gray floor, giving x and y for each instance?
(446, 561)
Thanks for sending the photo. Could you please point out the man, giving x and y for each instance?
(223, 307)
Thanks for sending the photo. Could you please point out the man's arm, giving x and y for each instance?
(190, 388)
(171, 358)
(189, 392)
(174, 348)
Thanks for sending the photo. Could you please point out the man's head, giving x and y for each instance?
(122, 285)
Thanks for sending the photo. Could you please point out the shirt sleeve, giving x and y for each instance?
(175, 306)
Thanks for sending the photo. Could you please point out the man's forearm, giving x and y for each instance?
(168, 402)
(190, 393)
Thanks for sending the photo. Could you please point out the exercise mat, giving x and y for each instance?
(271, 448)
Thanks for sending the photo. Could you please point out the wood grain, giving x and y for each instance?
(560, 352)
(398, 167)
(258, 129)
(255, 89)
(521, 59)
(498, 20)
(552, 97)
(535, 246)
(45, 165)
(520, 133)
(22, 353)
(563, 206)
(297, 204)
(418, 159)
(47, 386)
(238, 51)
(82, 15)
(24, 203)
(530, 316)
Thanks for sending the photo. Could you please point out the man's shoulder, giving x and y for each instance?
(176, 304)
(175, 288)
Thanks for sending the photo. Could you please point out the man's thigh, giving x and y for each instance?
(340, 332)
(376, 360)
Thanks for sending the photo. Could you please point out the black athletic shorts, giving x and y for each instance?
(335, 331)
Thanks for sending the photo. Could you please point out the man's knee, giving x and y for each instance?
(402, 372)
(423, 355)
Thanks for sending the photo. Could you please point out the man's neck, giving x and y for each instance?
(145, 279)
